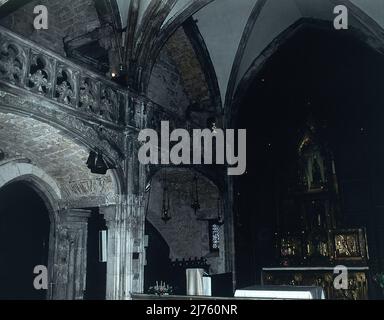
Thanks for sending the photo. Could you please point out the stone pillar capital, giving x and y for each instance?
(109, 212)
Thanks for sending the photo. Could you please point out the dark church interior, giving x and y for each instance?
(336, 97)
(84, 217)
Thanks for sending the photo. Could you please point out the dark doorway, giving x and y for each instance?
(338, 80)
(24, 239)
(96, 269)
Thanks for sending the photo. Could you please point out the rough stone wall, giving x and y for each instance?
(66, 19)
(165, 86)
(192, 75)
(186, 236)
(178, 81)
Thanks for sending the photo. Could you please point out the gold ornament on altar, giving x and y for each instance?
(350, 244)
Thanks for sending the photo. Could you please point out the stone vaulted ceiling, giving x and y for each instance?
(222, 24)
(235, 33)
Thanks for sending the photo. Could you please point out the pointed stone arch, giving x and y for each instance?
(38, 179)
(363, 27)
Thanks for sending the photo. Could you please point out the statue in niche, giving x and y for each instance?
(312, 163)
(317, 178)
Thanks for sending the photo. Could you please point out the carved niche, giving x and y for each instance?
(12, 61)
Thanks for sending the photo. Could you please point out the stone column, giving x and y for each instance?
(70, 255)
(111, 216)
(137, 249)
(125, 258)
(125, 222)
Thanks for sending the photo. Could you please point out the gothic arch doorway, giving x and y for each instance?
(24, 240)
